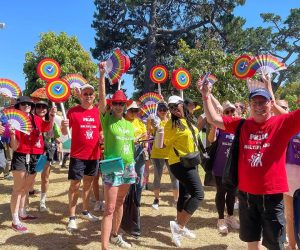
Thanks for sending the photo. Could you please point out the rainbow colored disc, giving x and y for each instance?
(241, 67)
(48, 69)
(159, 74)
(181, 79)
(58, 90)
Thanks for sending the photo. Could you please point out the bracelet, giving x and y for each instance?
(205, 98)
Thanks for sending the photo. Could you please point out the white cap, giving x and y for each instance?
(227, 105)
(87, 86)
(133, 105)
(174, 99)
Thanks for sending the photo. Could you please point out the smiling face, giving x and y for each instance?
(118, 108)
(87, 96)
(177, 109)
(25, 107)
(41, 110)
(260, 108)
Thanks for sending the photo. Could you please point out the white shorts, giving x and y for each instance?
(293, 177)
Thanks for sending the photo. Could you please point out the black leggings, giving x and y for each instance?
(190, 187)
(224, 196)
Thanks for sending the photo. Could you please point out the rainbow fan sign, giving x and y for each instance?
(48, 69)
(115, 66)
(18, 120)
(75, 80)
(9, 88)
(150, 98)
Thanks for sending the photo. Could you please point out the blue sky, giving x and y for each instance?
(25, 20)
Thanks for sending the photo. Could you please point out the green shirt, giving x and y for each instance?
(118, 138)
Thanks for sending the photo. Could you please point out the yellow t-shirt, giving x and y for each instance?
(140, 131)
(182, 140)
(160, 153)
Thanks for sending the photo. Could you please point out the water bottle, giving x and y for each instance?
(159, 138)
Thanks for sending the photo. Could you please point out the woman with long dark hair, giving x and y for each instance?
(180, 136)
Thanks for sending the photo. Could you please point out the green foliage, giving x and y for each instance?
(67, 52)
(291, 93)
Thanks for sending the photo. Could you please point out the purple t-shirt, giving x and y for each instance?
(224, 143)
(293, 151)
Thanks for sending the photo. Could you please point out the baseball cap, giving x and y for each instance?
(260, 92)
(87, 86)
(174, 99)
(133, 105)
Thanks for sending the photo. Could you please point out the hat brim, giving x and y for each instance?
(128, 102)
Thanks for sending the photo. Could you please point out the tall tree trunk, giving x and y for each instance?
(148, 85)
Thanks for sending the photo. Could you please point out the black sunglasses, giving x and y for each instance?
(41, 106)
(118, 104)
(133, 110)
(88, 94)
(25, 103)
(162, 109)
(229, 111)
(173, 106)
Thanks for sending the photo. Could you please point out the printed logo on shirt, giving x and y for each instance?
(255, 160)
(89, 134)
(88, 119)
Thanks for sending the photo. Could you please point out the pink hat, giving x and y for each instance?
(119, 96)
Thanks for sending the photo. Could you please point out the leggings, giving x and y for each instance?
(158, 165)
(224, 197)
(190, 188)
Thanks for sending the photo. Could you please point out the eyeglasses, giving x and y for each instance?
(261, 103)
(162, 110)
(133, 110)
(174, 106)
(41, 106)
(118, 104)
(88, 94)
(229, 111)
(25, 103)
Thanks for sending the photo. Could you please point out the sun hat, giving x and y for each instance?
(42, 102)
(22, 99)
(174, 99)
(119, 96)
(227, 104)
(260, 92)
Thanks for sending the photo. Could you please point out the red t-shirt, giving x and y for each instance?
(85, 124)
(34, 142)
(262, 152)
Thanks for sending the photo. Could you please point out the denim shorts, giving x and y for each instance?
(115, 179)
(262, 215)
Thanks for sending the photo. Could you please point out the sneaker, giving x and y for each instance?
(19, 228)
(232, 222)
(222, 226)
(72, 225)
(118, 240)
(177, 233)
(188, 234)
(90, 217)
(236, 205)
(155, 204)
(98, 206)
(43, 207)
(27, 217)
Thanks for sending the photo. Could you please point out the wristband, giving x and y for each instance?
(205, 98)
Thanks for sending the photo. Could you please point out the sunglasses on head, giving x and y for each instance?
(88, 94)
(229, 111)
(118, 104)
(25, 103)
(41, 106)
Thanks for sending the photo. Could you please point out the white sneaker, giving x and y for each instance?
(188, 234)
(177, 233)
(43, 207)
(232, 222)
(155, 204)
(236, 205)
(98, 206)
(222, 226)
(72, 225)
(90, 217)
(118, 240)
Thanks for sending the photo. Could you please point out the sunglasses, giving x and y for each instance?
(25, 103)
(173, 106)
(162, 110)
(285, 108)
(134, 110)
(229, 111)
(41, 106)
(88, 94)
(118, 104)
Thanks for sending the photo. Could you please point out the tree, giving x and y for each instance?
(67, 52)
(291, 93)
(149, 30)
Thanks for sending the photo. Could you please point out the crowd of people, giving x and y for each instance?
(268, 160)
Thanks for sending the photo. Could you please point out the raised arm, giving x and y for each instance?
(102, 92)
(211, 114)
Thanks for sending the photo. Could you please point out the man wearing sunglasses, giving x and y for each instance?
(261, 165)
(84, 119)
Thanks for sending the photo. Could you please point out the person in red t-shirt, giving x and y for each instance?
(84, 119)
(261, 165)
(27, 150)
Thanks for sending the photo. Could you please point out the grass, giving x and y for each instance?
(49, 230)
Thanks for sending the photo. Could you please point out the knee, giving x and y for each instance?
(199, 195)
(109, 210)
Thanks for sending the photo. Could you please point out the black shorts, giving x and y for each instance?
(78, 168)
(262, 215)
(18, 162)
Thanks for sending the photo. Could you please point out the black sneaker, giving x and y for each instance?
(155, 204)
